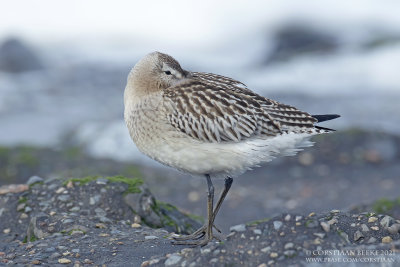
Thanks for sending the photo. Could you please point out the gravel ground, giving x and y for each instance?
(104, 221)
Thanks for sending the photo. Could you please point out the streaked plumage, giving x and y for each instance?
(208, 124)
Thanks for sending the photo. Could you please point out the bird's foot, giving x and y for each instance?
(200, 237)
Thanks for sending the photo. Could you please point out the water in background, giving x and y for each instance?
(64, 81)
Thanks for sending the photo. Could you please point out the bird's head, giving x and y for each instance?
(155, 72)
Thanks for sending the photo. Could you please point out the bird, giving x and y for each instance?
(209, 125)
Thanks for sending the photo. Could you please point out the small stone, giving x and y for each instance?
(173, 259)
(21, 206)
(277, 225)
(288, 217)
(288, 245)
(257, 232)
(63, 198)
(372, 219)
(394, 229)
(75, 209)
(60, 190)
(335, 211)
(64, 261)
(289, 253)
(88, 261)
(262, 265)
(150, 237)
(28, 209)
(298, 218)
(135, 225)
(375, 228)
(387, 239)
(357, 235)
(52, 213)
(386, 221)
(66, 221)
(266, 249)
(311, 214)
(34, 179)
(364, 228)
(7, 230)
(205, 251)
(101, 181)
(101, 225)
(238, 228)
(35, 262)
(325, 226)
(273, 255)
(320, 235)
(77, 232)
(70, 184)
(345, 237)
(23, 215)
(353, 225)
(311, 223)
(332, 221)
(371, 240)
(76, 250)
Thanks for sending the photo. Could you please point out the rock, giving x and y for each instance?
(372, 219)
(387, 239)
(150, 237)
(358, 235)
(173, 259)
(64, 261)
(273, 255)
(394, 229)
(364, 227)
(288, 217)
(293, 40)
(288, 245)
(34, 179)
(325, 226)
(386, 221)
(238, 228)
(257, 232)
(15, 56)
(371, 240)
(36, 227)
(375, 228)
(277, 225)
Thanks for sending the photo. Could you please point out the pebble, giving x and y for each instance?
(94, 200)
(7, 230)
(311, 223)
(387, 239)
(375, 228)
(64, 198)
(371, 240)
(34, 179)
(101, 181)
(320, 235)
(288, 245)
(238, 228)
(133, 225)
(64, 261)
(364, 228)
(289, 253)
(21, 206)
(76, 250)
(67, 221)
(257, 232)
(150, 237)
(262, 265)
(372, 219)
(357, 235)
(28, 209)
(75, 209)
(325, 226)
(298, 218)
(287, 218)
(60, 190)
(386, 221)
(394, 229)
(266, 249)
(273, 255)
(277, 225)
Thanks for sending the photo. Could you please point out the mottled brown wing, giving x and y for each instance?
(213, 114)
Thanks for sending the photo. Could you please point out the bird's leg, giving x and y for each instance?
(206, 230)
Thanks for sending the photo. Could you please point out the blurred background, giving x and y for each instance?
(63, 68)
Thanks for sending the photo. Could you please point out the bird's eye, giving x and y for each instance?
(167, 72)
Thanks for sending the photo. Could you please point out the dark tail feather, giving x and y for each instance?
(326, 117)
